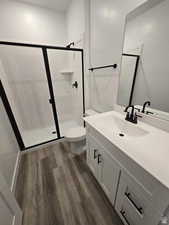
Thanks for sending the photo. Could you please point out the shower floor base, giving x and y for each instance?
(38, 136)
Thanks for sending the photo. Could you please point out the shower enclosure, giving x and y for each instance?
(38, 92)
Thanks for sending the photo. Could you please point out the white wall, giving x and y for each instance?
(9, 150)
(149, 31)
(76, 20)
(107, 28)
(27, 23)
(76, 27)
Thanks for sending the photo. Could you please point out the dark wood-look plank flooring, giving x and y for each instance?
(55, 187)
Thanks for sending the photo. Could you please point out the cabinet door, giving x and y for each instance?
(92, 155)
(104, 167)
(110, 173)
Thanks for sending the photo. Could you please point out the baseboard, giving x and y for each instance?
(15, 174)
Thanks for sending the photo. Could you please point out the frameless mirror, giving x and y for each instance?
(145, 61)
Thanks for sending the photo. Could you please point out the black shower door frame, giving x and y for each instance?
(6, 103)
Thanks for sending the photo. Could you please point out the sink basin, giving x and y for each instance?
(122, 127)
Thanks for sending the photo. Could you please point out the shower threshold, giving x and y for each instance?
(38, 136)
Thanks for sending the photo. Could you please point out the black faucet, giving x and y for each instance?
(144, 106)
(131, 117)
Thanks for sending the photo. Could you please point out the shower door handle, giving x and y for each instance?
(75, 84)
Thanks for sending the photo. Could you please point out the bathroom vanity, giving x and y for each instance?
(130, 162)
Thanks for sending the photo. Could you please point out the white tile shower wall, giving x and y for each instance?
(77, 93)
(62, 83)
(22, 22)
(106, 36)
(76, 33)
(25, 73)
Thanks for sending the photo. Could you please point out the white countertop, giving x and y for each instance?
(151, 151)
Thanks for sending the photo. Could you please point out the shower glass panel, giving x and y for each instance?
(66, 73)
(22, 72)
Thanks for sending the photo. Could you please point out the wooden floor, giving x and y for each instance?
(55, 187)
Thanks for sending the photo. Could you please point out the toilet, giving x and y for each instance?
(76, 136)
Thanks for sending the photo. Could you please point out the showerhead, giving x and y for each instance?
(72, 43)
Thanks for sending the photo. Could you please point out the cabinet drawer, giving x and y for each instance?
(133, 201)
(129, 215)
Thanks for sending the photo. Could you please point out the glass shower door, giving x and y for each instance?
(23, 75)
(66, 73)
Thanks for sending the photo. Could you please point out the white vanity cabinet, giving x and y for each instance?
(137, 196)
(104, 167)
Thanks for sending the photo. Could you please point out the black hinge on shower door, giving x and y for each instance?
(50, 85)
